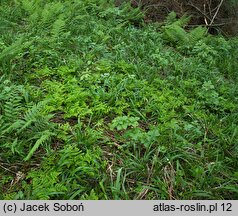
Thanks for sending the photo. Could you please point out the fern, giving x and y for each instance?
(45, 184)
(10, 99)
(173, 31)
(22, 129)
(50, 12)
(197, 34)
(71, 167)
(42, 14)
(34, 9)
(175, 34)
(10, 128)
(11, 50)
(58, 27)
(35, 115)
(45, 136)
(172, 20)
(29, 6)
(12, 107)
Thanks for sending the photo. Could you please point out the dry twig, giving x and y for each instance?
(195, 7)
(215, 15)
(7, 169)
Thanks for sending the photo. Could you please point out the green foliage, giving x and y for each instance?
(23, 129)
(94, 104)
(69, 174)
(123, 122)
(174, 33)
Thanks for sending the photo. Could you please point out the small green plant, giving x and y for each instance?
(123, 122)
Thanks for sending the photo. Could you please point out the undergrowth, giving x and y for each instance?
(94, 104)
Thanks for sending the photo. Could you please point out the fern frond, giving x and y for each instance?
(14, 146)
(173, 30)
(41, 121)
(183, 21)
(11, 100)
(45, 136)
(11, 50)
(171, 18)
(175, 34)
(29, 6)
(197, 34)
(58, 27)
(12, 108)
(12, 127)
(50, 12)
